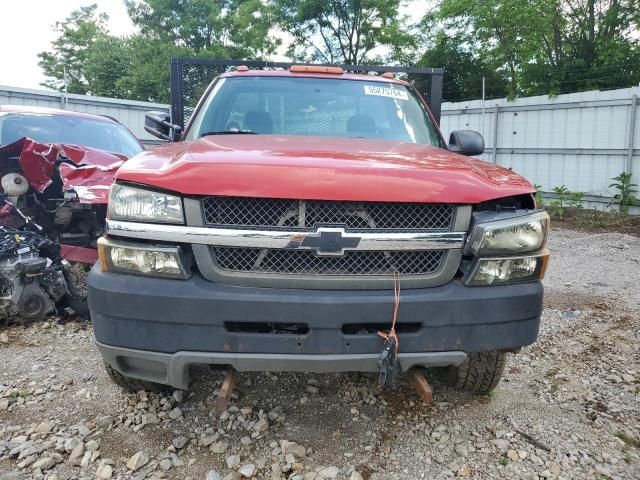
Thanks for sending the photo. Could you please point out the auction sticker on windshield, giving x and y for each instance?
(386, 92)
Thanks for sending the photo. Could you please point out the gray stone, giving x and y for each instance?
(248, 470)
(233, 461)
(501, 444)
(328, 473)
(45, 427)
(23, 446)
(220, 446)
(86, 459)
(104, 422)
(175, 413)
(12, 476)
(178, 395)
(213, 475)
(356, 476)
(208, 440)
(34, 450)
(137, 461)
(180, 442)
(77, 452)
(461, 450)
(104, 471)
(291, 447)
(232, 476)
(261, 425)
(92, 445)
(44, 463)
(70, 444)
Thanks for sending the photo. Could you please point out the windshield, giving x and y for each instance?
(104, 135)
(314, 106)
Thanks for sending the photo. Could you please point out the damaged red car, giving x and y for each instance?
(56, 167)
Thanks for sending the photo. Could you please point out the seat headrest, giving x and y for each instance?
(259, 122)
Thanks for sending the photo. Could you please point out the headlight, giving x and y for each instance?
(492, 271)
(142, 259)
(137, 204)
(524, 234)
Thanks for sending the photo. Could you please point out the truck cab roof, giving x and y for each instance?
(312, 74)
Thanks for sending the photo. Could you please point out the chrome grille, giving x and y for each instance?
(306, 263)
(270, 213)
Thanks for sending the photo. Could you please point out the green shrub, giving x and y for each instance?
(626, 192)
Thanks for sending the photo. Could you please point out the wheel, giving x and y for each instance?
(133, 385)
(78, 305)
(479, 373)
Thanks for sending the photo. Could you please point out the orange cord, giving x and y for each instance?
(392, 332)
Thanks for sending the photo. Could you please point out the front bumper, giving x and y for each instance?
(155, 329)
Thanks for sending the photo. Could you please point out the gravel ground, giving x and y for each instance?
(568, 406)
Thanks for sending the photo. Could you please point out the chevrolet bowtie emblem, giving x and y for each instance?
(327, 241)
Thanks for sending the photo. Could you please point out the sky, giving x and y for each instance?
(26, 29)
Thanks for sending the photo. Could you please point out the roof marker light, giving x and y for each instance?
(388, 75)
(315, 69)
(242, 68)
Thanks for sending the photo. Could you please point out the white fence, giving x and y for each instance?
(128, 112)
(581, 140)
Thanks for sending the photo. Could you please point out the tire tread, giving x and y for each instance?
(131, 384)
(480, 373)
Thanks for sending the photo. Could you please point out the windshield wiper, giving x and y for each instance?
(229, 132)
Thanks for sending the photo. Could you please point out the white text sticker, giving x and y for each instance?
(386, 92)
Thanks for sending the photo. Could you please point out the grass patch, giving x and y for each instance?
(21, 394)
(598, 221)
(629, 441)
(504, 461)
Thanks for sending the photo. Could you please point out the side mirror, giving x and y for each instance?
(466, 142)
(159, 125)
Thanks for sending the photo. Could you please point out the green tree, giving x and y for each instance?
(108, 61)
(504, 33)
(463, 68)
(222, 28)
(148, 76)
(70, 51)
(343, 31)
(137, 67)
(588, 44)
(550, 46)
(204, 28)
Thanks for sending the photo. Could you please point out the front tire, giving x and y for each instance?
(133, 385)
(480, 373)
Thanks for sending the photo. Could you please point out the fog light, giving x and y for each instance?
(142, 259)
(492, 271)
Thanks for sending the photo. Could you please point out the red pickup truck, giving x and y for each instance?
(271, 233)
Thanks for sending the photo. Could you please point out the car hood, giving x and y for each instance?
(320, 168)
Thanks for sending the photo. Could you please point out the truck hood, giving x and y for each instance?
(320, 168)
